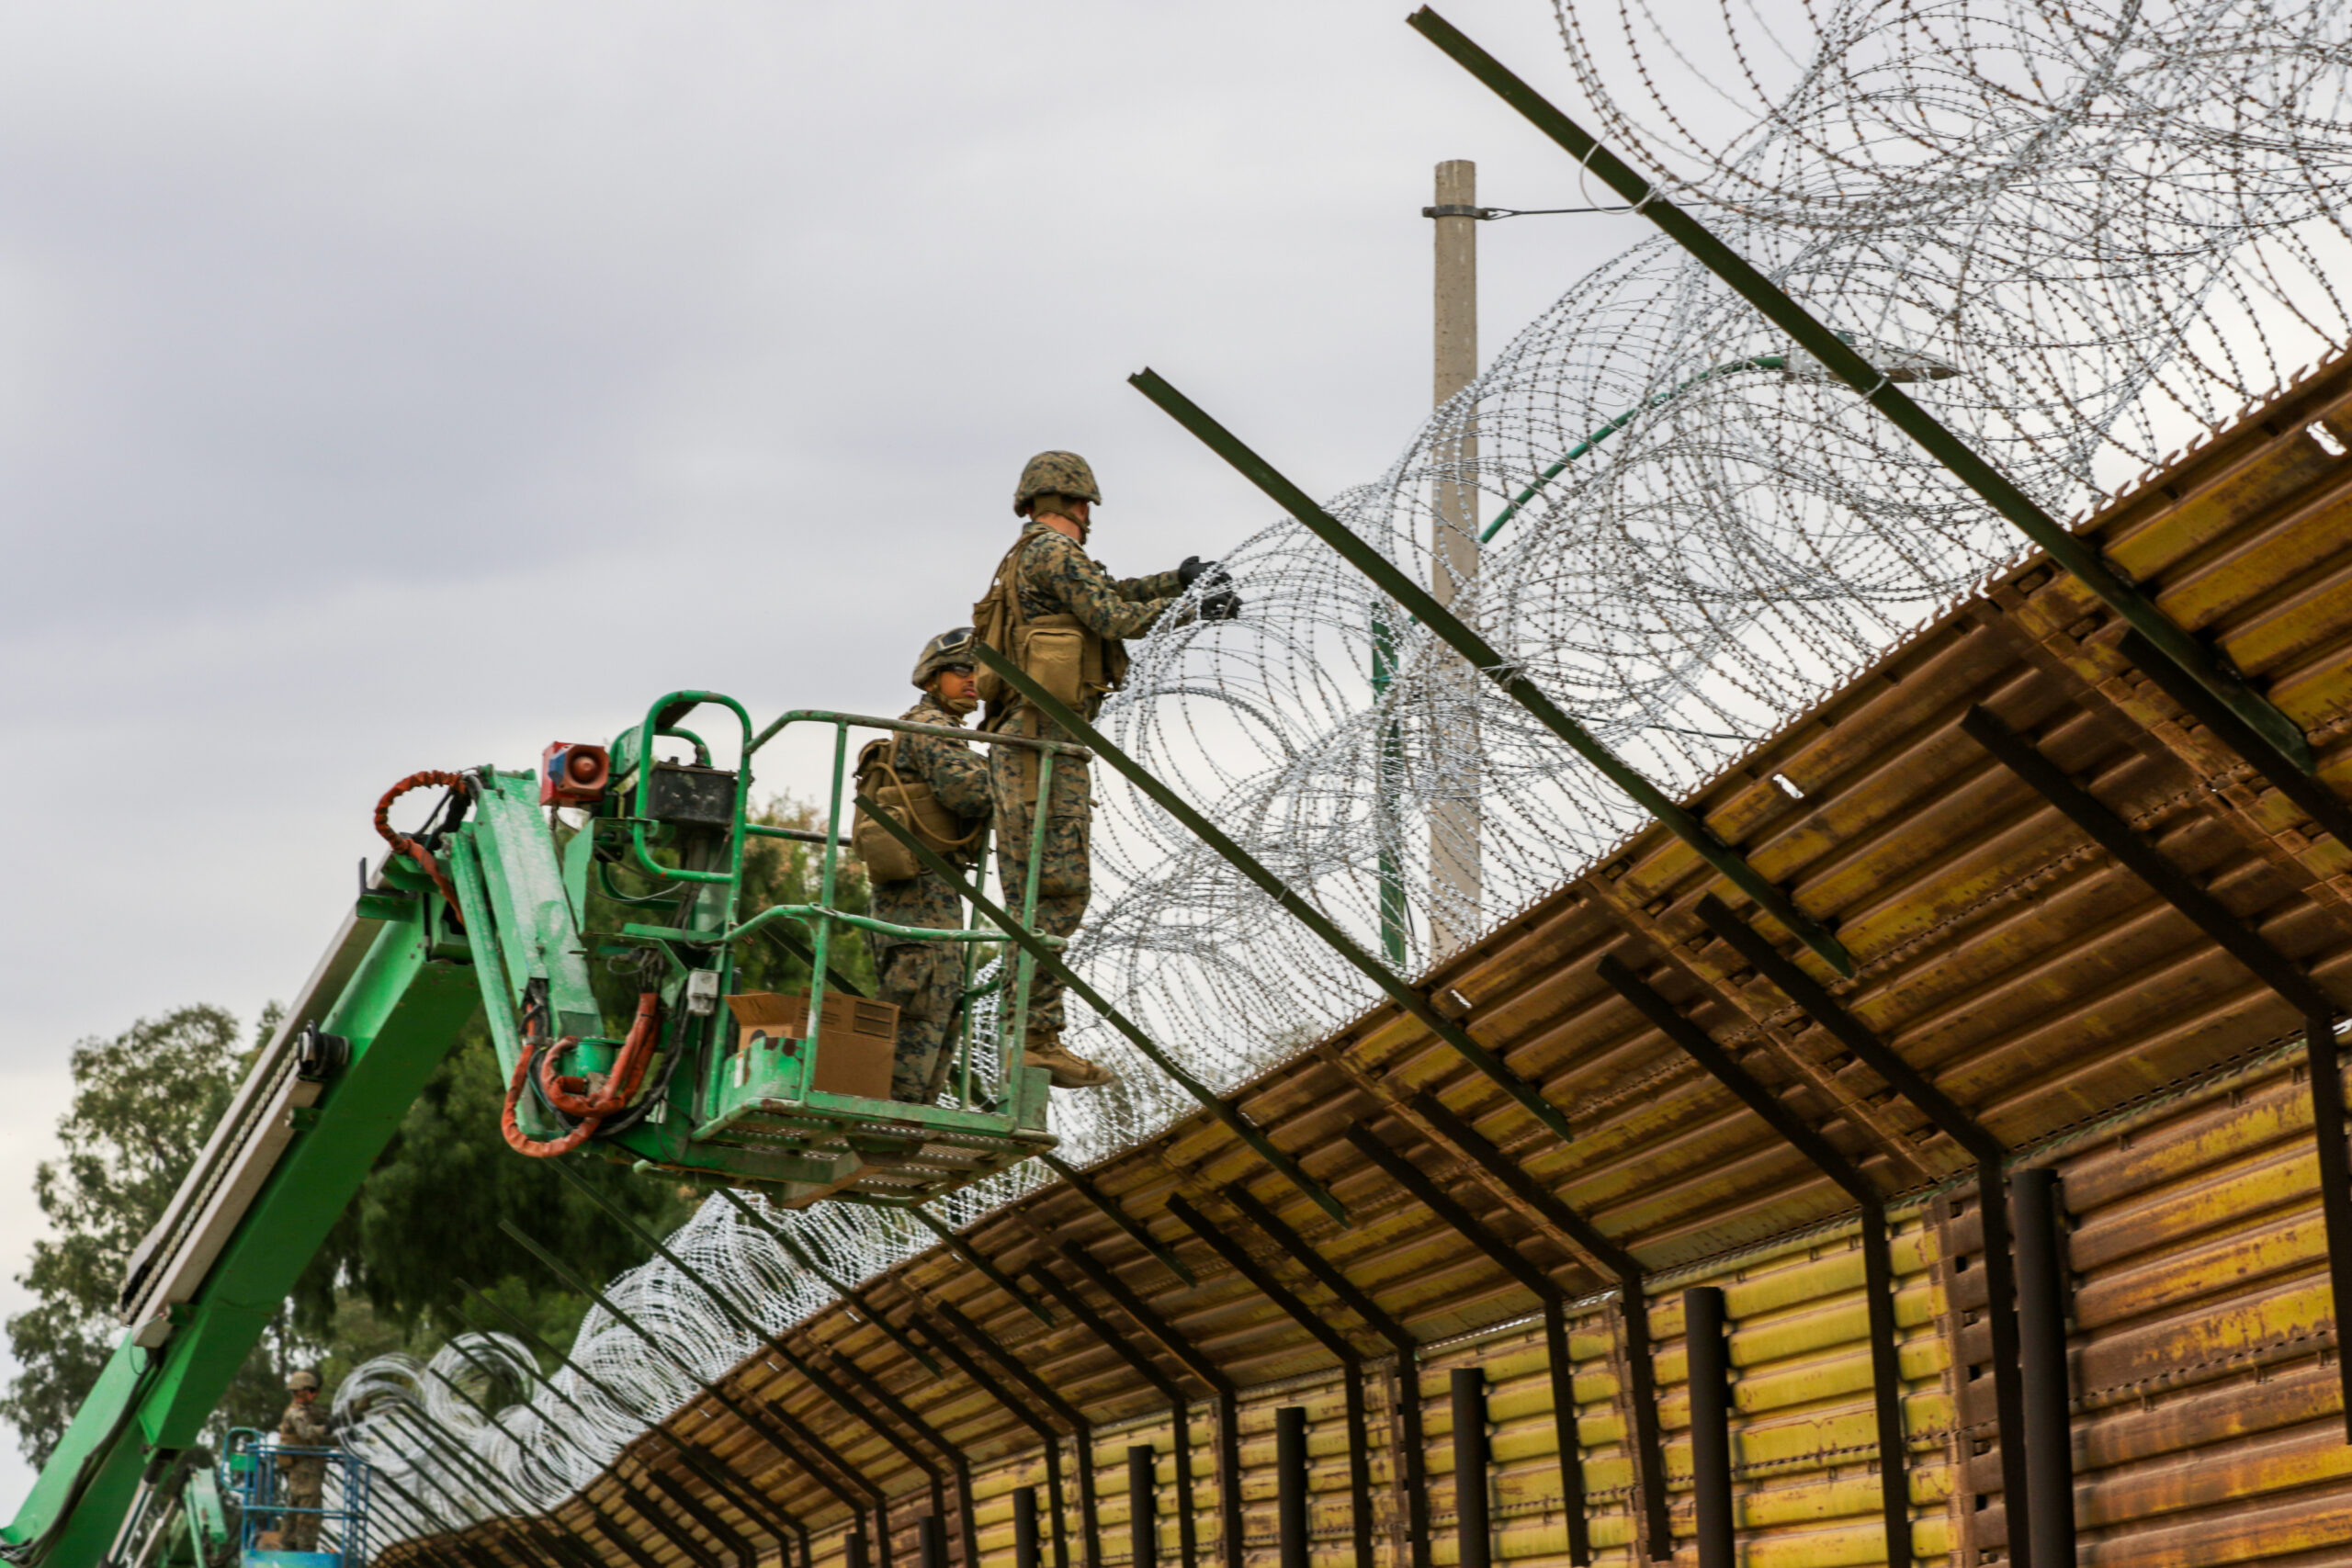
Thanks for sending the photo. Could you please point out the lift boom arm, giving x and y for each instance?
(404, 977)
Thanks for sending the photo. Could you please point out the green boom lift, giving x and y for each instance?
(489, 908)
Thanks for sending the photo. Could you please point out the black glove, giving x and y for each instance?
(1194, 568)
(1225, 607)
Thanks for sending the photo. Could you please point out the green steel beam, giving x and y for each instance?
(1946, 446)
(1419, 604)
(1529, 1098)
(529, 901)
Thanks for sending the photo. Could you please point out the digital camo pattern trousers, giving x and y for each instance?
(300, 1531)
(1065, 871)
(924, 980)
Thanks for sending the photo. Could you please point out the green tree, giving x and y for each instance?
(783, 871)
(427, 1219)
(143, 1103)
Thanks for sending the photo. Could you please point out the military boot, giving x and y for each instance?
(1064, 1068)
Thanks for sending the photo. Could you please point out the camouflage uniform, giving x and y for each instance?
(926, 978)
(303, 1426)
(1055, 576)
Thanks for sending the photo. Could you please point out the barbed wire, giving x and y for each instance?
(2081, 234)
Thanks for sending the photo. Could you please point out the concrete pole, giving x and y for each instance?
(1455, 868)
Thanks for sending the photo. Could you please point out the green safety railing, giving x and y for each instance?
(822, 918)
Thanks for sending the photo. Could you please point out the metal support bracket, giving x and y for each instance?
(2328, 811)
(1351, 1362)
(2240, 940)
(1086, 1188)
(868, 1386)
(1411, 1474)
(1141, 1365)
(1193, 1360)
(1553, 1301)
(1878, 1262)
(1992, 1182)
(1633, 1308)
(694, 1507)
(1082, 1427)
(980, 1260)
(943, 1340)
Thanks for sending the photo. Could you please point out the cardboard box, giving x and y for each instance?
(854, 1054)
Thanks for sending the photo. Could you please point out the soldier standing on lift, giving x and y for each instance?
(1058, 614)
(939, 790)
(304, 1426)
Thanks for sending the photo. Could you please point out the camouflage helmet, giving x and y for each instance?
(297, 1383)
(1055, 473)
(948, 650)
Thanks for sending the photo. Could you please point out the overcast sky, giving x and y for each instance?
(404, 386)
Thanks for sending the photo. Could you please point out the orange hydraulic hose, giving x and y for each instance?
(402, 844)
(629, 1069)
(515, 1138)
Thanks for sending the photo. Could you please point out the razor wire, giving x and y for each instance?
(2080, 234)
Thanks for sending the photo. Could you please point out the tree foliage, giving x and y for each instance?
(143, 1103)
(426, 1222)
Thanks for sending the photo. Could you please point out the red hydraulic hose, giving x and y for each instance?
(402, 844)
(621, 1084)
(531, 1147)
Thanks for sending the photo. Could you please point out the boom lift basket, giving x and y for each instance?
(712, 1081)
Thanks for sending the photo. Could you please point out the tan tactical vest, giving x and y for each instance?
(912, 806)
(1075, 665)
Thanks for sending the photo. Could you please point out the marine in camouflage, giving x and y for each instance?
(1065, 868)
(925, 979)
(1053, 576)
(948, 650)
(303, 1476)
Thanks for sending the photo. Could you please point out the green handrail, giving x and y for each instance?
(823, 916)
(646, 734)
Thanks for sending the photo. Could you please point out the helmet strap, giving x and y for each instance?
(1065, 507)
